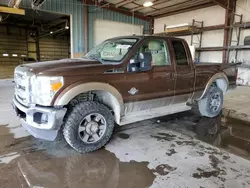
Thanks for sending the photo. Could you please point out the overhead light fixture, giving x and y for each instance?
(51, 32)
(38, 2)
(147, 4)
(66, 25)
(14, 55)
(5, 55)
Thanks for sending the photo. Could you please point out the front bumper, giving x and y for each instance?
(41, 122)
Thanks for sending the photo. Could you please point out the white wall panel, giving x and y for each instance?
(211, 16)
(243, 56)
(211, 57)
(214, 15)
(104, 29)
(212, 38)
(243, 7)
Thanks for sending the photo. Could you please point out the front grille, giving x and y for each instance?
(22, 83)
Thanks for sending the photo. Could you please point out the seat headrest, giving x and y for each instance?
(154, 45)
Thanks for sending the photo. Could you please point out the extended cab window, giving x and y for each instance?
(180, 53)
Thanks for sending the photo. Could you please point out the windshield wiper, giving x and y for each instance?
(94, 57)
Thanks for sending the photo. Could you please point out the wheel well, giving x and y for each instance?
(102, 97)
(218, 82)
(222, 84)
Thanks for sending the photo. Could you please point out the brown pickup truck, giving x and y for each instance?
(122, 80)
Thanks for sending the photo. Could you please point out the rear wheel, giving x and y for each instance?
(211, 104)
(88, 127)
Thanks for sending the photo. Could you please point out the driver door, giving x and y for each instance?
(144, 90)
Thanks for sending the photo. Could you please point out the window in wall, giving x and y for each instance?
(180, 53)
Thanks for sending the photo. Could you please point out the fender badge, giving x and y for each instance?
(133, 91)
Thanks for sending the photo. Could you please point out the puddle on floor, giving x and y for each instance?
(93, 170)
(235, 137)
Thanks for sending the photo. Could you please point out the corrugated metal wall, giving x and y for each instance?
(54, 48)
(69, 7)
(94, 13)
(13, 44)
(75, 8)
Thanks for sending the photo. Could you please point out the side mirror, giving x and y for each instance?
(142, 63)
(145, 60)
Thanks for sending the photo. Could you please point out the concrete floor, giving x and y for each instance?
(237, 104)
(146, 154)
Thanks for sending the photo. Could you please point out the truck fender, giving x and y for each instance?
(106, 93)
(221, 81)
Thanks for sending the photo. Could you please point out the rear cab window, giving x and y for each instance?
(180, 53)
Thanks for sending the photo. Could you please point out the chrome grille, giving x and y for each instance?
(22, 84)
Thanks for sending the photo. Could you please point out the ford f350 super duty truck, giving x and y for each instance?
(122, 80)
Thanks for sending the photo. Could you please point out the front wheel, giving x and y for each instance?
(211, 104)
(88, 127)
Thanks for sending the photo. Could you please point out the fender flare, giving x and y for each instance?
(112, 98)
(221, 81)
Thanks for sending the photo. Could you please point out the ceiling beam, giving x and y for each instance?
(12, 10)
(184, 10)
(179, 6)
(123, 3)
(222, 3)
(112, 7)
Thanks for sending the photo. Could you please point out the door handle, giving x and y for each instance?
(171, 75)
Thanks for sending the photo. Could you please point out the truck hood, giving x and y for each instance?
(63, 66)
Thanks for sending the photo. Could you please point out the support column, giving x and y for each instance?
(151, 26)
(229, 19)
(85, 12)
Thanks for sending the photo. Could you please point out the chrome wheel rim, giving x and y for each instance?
(215, 102)
(92, 128)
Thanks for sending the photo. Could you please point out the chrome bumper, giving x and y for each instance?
(41, 122)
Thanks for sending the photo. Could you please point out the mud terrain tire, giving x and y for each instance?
(211, 104)
(74, 121)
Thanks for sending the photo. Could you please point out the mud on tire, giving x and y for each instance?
(74, 121)
(211, 104)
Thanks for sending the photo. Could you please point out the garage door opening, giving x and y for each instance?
(36, 36)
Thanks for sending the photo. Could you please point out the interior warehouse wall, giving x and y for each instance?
(13, 44)
(52, 48)
(242, 7)
(94, 13)
(69, 7)
(214, 15)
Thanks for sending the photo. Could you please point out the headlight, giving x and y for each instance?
(44, 88)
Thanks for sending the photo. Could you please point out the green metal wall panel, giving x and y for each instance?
(69, 7)
(94, 13)
(75, 8)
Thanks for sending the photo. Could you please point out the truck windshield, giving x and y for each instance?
(111, 51)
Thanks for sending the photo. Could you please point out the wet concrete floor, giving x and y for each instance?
(155, 153)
